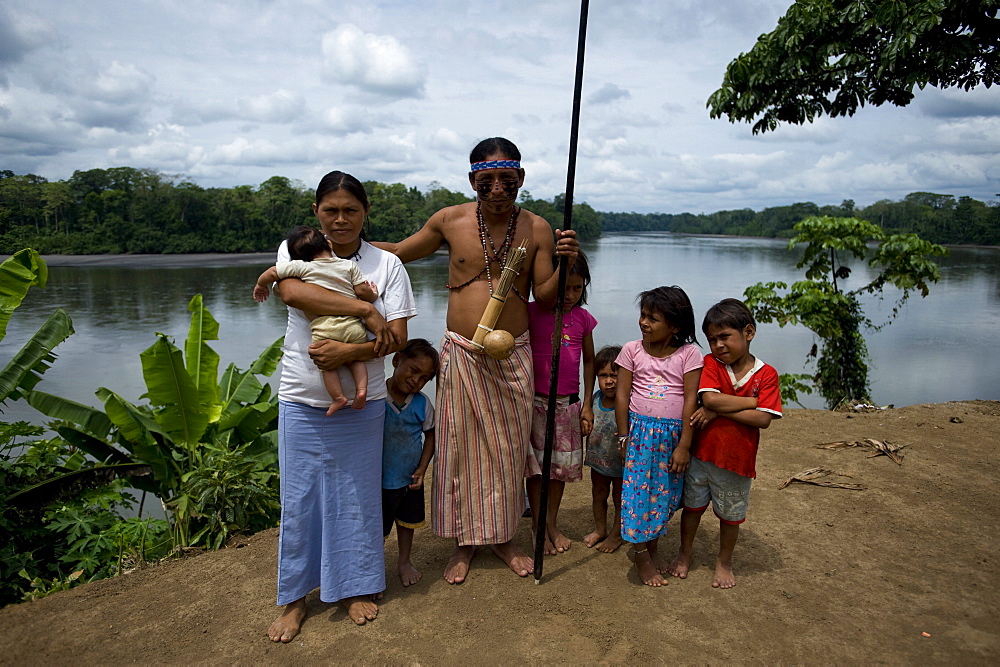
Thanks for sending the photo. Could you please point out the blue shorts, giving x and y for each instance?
(728, 492)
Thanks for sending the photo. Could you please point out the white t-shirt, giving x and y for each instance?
(301, 381)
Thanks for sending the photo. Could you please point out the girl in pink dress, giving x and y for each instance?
(574, 419)
(656, 395)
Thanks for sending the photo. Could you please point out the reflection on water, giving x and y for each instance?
(931, 353)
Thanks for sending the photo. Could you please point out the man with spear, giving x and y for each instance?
(485, 403)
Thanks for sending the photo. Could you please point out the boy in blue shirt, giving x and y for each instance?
(407, 448)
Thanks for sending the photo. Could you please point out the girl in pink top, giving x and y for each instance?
(657, 394)
(574, 419)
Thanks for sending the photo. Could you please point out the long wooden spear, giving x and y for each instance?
(550, 415)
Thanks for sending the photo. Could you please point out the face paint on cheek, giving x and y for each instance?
(485, 190)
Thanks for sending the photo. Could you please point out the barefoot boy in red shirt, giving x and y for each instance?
(740, 395)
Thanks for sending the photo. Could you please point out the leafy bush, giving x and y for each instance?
(836, 317)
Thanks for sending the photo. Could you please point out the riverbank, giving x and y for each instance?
(904, 571)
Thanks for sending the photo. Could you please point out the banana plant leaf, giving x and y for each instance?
(88, 419)
(142, 436)
(24, 369)
(268, 360)
(71, 483)
(179, 409)
(202, 361)
(263, 417)
(99, 449)
(238, 388)
(18, 273)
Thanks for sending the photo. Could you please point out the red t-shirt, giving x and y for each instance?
(724, 442)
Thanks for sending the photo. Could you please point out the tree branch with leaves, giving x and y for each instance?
(830, 57)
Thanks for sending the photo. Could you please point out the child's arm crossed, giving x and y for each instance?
(741, 409)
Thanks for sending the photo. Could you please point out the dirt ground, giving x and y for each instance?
(824, 575)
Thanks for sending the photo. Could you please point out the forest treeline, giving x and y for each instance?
(128, 210)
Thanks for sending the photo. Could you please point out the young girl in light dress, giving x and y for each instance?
(656, 395)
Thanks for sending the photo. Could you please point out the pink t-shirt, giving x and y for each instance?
(658, 383)
(577, 325)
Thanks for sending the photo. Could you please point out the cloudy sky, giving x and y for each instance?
(232, 92)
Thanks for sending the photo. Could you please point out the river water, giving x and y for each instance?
(937, 350)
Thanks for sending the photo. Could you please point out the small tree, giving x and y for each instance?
(834, 314)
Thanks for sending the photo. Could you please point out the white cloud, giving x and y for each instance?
(376, 63)
(229, 94)
(281, 106)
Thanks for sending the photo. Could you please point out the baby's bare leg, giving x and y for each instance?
(331, 380)
(360, 373)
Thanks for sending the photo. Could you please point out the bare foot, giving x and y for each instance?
(724, 577)
(359, 399)
(337, 404)
(550, 549)
(646, 568)
(408, 574)
(457, 568)
(662, 566)
(519, 562)
(286, 626)
(559, 541)
(593, 538)
(360, 608)
(610, 545)
(679, 566)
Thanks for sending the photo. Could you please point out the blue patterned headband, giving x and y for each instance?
(495, 164)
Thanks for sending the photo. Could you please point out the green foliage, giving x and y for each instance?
(206, 447)
(192, 423)
(821, 304)
(830, 57)
(936, 218)
(72, 534)
(18, 273)
(792, 384)
(126, 210)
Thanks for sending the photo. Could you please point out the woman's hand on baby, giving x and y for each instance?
(385, 338)
(330, 354)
